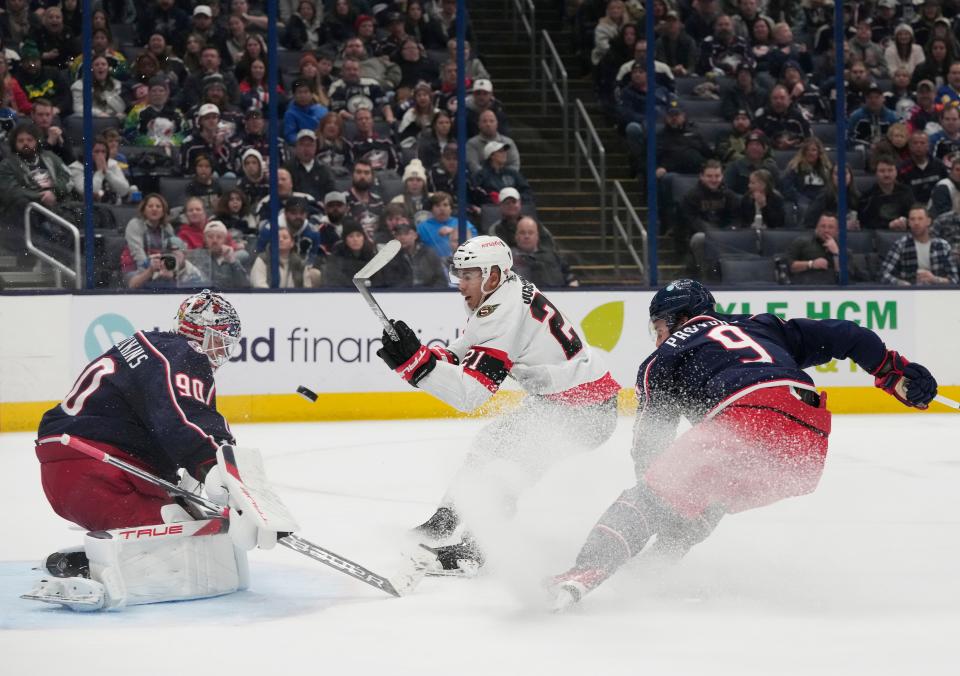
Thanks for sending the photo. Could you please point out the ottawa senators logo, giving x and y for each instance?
(487, 310)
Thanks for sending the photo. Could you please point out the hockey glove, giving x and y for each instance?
(406, 356)
(911, 383)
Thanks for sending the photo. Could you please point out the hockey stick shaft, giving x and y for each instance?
(362, 278)
(290, 541)
(946, 401)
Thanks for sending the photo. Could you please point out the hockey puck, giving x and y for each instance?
(307, 393)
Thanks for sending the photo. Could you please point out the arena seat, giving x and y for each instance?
(746, 271)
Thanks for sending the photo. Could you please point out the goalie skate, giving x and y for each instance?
(76, 593)
(417, 563)
(460, 560)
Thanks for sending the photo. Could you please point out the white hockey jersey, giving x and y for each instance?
(516, 331)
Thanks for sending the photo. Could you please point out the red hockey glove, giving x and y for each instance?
(911, 383)
(406, 356)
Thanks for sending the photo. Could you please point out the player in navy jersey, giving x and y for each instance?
(759, 427)
(149, 400)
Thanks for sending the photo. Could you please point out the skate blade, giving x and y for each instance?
(465, 568)
(418, 562)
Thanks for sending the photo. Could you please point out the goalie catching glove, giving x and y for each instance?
(257, 514)
(910, 383)
(407, 356)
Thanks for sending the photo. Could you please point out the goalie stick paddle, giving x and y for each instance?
(362, 279)
(402, 584)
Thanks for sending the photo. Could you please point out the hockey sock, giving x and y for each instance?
(622, 531)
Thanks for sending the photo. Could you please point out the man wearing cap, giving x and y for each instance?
(733, 146)
(920, 171)
(226, 272)
(337, 215)
(784, 125)
(309, 175)
(202, 24)
(416, 265)
(870, 122)
(352, 92)
(159, 123)
(208, 139)
(756, 156)
(680, 147)
(302, 113)
(494, 175)
(210, 64)
(675, 48)
(488, 131)
(884, 21)
(480, 100)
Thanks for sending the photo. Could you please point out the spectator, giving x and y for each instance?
(733, 146)
(255, 88)
(422, 26)
(210, 139)
(192, 89)
(158, 123)
(39, 81)
(369, 146)
(432, 141)
(680, 147)
(903, 52)
(254, 136)
(414, 64)
(947, 226)
(924, 24)
(309, 175)
(511, 210)
(193, 220)
(827, 202)
(621, 50)
(233, 210)
(723, 52)
(899, 98)
(481, 100)
(708, 206)
(333, 151)
(675, 48)
(762, 206)
(631, 110)
(883, 21)
(204, 184)
(862, 46)
(253, 180)
(202, 24)
(110, 186)
(937, 64)
(474, 67)
(364, 205)
(337, 26)
(418, 117)
(756, 156)
(52, 137)
(170, 65)
(806, 96)
(215, 92)
(945, 196)
(494, 175)
(226, 272)
(785, 50)
(302, 113)
(293, 272)
(236, 39)
(315, 71)
(57, 45)
(162, 17)
(31, 174)
(383, 72)
(947, 141)
(446, 89)
(869, 122)
(920, 171)
(12, 95)
(784, 125)
(949, 93)
(352, 93)
(743, 18)
(893, 144)
(856, 87)
(416, 265)
(918, 258)
(700, 20)
(544, 267)
(166, 269)
(488, 133)
(440, 231)
(15, 22)
(744, 94)
(255, 21)
(414, 198)
(607, 29)
(807, 173)
(285, 192)
(348, 258)
(149, 232)
(337, 215)
(100, 43)
(392, 215)
(302, 30)
(887, 204)
(443, 177)
(815, 259)
(313, 238)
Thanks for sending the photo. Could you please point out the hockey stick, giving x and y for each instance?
(403, 584)
(946, 401)
(362, 279)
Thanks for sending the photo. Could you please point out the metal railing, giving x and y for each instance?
(58, 267)
(626, 221)
(524, 13)
(554, 76)
(588, 145)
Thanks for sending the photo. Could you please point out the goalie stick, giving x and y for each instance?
(402, 584)
(362, 280)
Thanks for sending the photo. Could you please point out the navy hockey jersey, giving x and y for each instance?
(712, 358)
(152, 396)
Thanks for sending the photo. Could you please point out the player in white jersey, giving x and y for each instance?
(512, 329)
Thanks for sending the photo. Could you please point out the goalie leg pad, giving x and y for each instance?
(173, 562)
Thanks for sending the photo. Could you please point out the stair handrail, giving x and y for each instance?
(525, 14)
(47, 258)
(554, 76)
(587, 146)
(630, 220)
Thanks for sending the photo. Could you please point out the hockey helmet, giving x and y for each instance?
(680, 297)
(484, 252)
(209, 319)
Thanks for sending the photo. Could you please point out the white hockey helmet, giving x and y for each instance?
(209, 319)
(484, 252)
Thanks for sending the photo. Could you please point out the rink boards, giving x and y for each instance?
(327, 342)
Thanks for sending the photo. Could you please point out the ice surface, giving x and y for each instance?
(859, 578)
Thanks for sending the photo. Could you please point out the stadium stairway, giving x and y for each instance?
(572, 215)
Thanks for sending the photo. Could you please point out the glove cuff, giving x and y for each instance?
(419, 365)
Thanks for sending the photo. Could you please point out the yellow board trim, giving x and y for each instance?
(256, 408)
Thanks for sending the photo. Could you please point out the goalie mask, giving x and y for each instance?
(483, 252)
(209, 319)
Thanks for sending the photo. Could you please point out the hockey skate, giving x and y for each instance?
(440, 526)
(68, 563)
(569, 588)
(76, 593)
(463, 559)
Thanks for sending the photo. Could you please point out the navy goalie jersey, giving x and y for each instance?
(152, 396)
(713, 357)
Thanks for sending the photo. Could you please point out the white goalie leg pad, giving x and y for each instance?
(170, 562)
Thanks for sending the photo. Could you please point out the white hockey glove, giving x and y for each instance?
(257, 514)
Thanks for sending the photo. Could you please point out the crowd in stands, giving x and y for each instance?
(746, 135)
(181, 98)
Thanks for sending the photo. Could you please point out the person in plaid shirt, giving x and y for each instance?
(919, 258)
